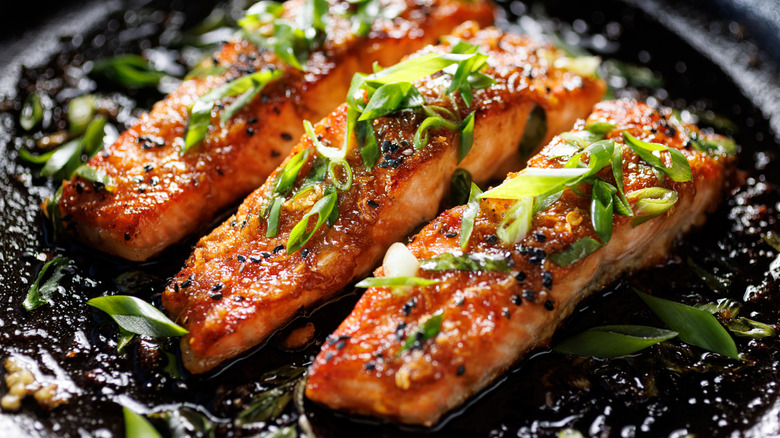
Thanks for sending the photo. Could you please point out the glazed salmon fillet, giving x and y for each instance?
(239, 285)
(410, 354)
(159, 195)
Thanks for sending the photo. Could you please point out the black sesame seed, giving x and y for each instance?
(241, 258)
(397, 162)
(399, 331)
(523, 250)
(404, 143)
(491, 238)
(217, 286)
(233, 223)
(148, 168)
(547, 279)
(530, 295)
(238, 298)
(393, 148)
(275, 153)
(517, 300)
(506, 314)
(450, 234)
(341, 344)
(331, 339)
(250, 131)
(369, 366)
(549, 305)
(461, 370)
(278, 248)
(460, 301)
(386, 145)
(216, 296)
(534, 260)
(407, 308)
(252, 121)
(79, 187)
(383, 164)
(520, 276)
(186, 283)
(304, 252)
(372, 203)
(387, 157)
(254, 259)
(328, 356)
(176, 287)
(265, 254)
(540, 237)
(127, 236)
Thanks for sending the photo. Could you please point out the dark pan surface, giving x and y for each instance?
(710, 65)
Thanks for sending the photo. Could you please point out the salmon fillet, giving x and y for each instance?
(161, 196)
(489, 318)
(239, 286)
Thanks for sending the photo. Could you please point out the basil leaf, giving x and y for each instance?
(613, 340)
(394, 282)
(465, 262)
(136, 426)
(137, 316)
(40, 294)
(535, 130)
(696, 327)
(516, 222)
(466, 136)
(576, 252)
(680, 170)
(97, 177)
(32, 112)
(534, 182)
(600, 128)
(749, 328)
(131, 71)
(274, 212)
(323, 209)
(428, 330)
(460, 187)
(601, 207)
(470, 213)
(650, 202)
(390, 98)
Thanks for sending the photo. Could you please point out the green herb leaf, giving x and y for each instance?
(714, 144)
(516, 222)
(271, 403)
(290, 172)
(32, 112)
(470, 213)
(696, 327)
(323, 209)
(533, 182)
(749, 328)
(535, 131)
(51, 274)
(96, 177)
(274, 211)
(465, 262)
(576, 252)
(421, 135)
(123, 339)
(137, 316)
(680, 170)
(650, 202)
(601, 208)
(328, 152)
(80, 112)
(64, 160)
(613, 340)
(428, 330)
(136, 426)
(394, 282)
(466, 136)
(93, 136)
(390, 98)
(55, 216)
(131, 71)
(369, 148)
(339, 183)
(600, 128)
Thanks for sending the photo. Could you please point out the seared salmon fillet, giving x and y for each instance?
(160, 195)
(412, 353)
(239, 285)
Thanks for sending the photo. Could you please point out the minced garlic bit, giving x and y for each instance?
(21, 382)
(402, 379)
(573, 218)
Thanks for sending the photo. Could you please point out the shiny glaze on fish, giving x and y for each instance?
(259, 287)
(490, 319)
(161, 196)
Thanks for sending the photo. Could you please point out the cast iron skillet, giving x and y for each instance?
(668, 390)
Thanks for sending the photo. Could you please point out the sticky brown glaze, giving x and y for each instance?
(260, 287)
(162, 197)
(490, 319)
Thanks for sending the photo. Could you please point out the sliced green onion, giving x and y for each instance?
(465, 262)
(470, 213)
(328, 152)
(546, 200)
(64, 160)
(421, 135)
(460, 187)
(261, 13)
(395, 282)
(323, 209)
(680, 170)
(601, 208)
(533, 182)
(136, 426)
(621, 203)
(290, 172)
(600, 128)
(41, 293)
(516, 222)
(650, 202)
(274, 211)
(80, 112)
(364, 133)
(466, 136)
(32, 112)
(97, 177)
(390, 98)
(576, 252)
(93, 136)
(137, 316)
(585, 66)
(460, 80)
(717, 283)
(695, 327)
(132, 71)
(427, 330)
(340, 184)
(613, 340)
(748, 328)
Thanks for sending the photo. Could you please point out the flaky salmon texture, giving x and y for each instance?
(320, 223)
(161, 195)
(412, 353)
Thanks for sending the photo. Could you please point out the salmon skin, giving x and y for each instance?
(239, 286)
(161, 196)
(411, 354)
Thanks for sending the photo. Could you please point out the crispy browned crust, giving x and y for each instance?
(257, 298)
(162, 196)
(486, 327)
